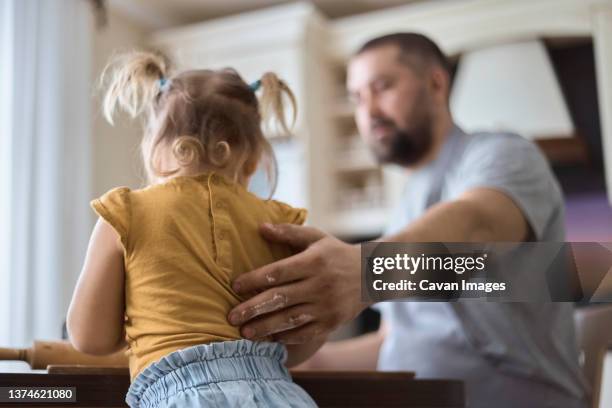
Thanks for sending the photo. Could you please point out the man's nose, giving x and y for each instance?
(372, 106)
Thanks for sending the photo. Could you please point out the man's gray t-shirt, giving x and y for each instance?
(508, 354)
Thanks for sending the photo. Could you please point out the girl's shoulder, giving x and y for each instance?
(114, 207)
(286, 213)
(117, 196)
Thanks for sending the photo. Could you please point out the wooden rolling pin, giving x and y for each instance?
(44, 353)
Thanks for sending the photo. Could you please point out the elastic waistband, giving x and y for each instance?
(208, 363)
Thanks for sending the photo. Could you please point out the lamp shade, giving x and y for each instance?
(510, 87)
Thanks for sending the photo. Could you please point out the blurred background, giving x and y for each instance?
(543, 66)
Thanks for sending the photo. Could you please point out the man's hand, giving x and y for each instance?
(305, 296)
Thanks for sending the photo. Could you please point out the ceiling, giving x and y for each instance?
(157, 14)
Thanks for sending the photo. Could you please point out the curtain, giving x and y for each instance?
(45, 113)
(5, 175)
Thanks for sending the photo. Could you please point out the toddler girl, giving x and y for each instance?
(160, 262)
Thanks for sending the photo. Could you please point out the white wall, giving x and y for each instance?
(116, 158)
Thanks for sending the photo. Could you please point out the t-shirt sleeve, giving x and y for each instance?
(286, 214)
(516, 167)
(114, 208)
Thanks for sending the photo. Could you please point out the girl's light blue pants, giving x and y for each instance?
(238, 373)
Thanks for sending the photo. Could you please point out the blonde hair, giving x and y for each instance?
(210, 117)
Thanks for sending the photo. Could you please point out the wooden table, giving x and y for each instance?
(328, 389)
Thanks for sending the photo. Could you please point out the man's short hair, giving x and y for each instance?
(416, 50)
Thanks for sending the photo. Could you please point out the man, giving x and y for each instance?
(463, 188)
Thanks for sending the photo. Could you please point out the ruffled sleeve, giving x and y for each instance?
(288, 214)
(114, 208)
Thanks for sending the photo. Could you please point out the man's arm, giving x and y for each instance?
(299, 353)
(358, 353)
(478, 215)
(324, 280)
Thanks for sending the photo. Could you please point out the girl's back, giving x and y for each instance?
(185, 241)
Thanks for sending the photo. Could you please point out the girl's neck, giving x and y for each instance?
(197, 170)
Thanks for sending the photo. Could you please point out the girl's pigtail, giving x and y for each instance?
(133, 82)
(271, 101)
(272, 109)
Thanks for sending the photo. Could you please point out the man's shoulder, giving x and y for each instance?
(497, 140)
(500, 155)
(501, 146)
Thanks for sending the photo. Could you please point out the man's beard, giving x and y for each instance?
(407, 146)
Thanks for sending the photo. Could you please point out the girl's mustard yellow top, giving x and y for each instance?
(185, 241)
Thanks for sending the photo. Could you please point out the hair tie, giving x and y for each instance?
(163, 83)
(255, 85)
